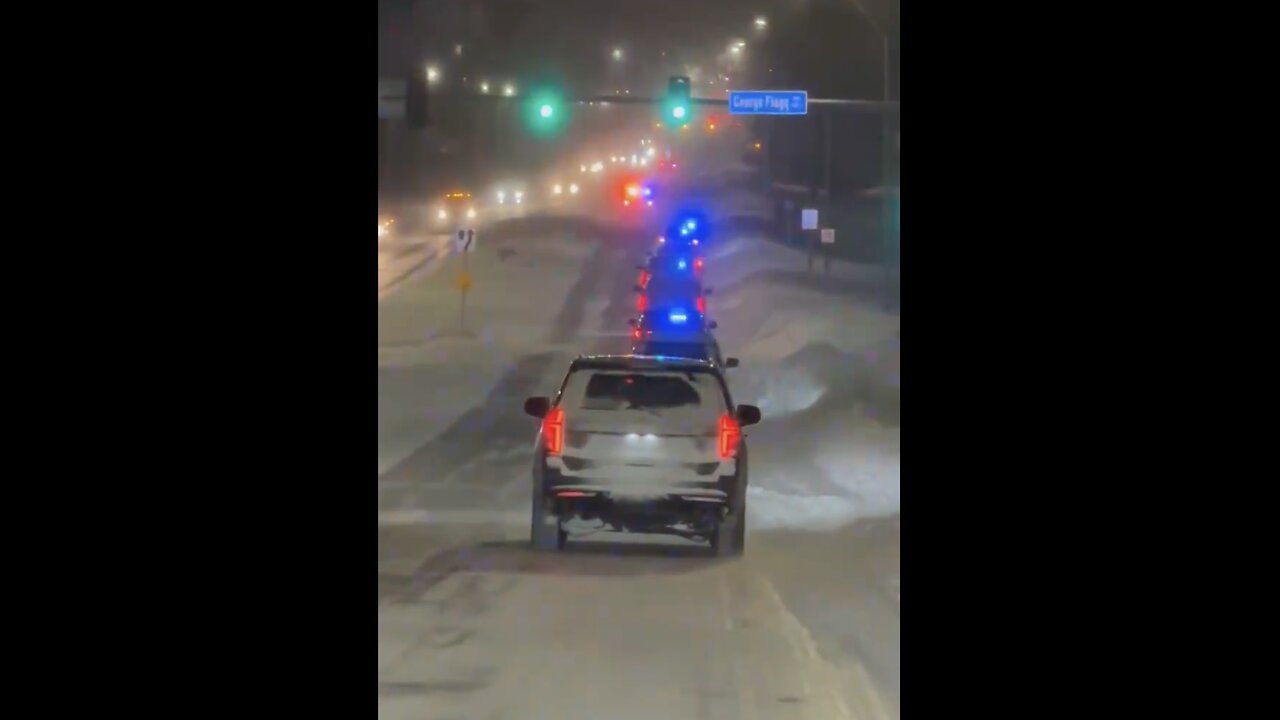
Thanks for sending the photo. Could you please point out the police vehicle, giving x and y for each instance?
(641, 444)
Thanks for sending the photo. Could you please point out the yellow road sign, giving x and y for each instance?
(463, 282)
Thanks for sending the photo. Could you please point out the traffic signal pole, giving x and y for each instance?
(828, 105)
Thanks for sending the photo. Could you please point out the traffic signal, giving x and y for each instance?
(545, 112)
(415, 101)
(678, 110)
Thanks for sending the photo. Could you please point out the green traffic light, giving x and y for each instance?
(677, 112)
(544, 111)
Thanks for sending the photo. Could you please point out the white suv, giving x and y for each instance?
(642, 444)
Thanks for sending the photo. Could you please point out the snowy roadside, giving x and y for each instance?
(821, 357)
(430, 373)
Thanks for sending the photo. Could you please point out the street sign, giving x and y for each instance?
(828, 236)
(464, 241)
(463, 282)
(768, 102)
(809, 219)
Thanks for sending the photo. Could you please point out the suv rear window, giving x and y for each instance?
(699, 391)
(609, 391)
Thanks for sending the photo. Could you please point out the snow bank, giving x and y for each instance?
(821, 358)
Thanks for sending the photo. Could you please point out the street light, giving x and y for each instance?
(617, 54)
(484, 87)
(508, 90)
(761, 22)
(433, 74)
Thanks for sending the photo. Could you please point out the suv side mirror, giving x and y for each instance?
(713, 325)
(540, 406)
(748, 415)
(707, 291)
(631, 322)
(731, 363)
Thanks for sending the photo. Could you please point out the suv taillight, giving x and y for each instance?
(730, 433)
(702, 305)
(553, 430)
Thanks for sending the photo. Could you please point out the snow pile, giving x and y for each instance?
(822, 362)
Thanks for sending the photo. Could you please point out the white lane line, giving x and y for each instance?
(806, 651)
(743, 684)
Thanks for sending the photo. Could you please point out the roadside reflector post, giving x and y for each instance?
(828, 245)
(808, 231)
(465, 244)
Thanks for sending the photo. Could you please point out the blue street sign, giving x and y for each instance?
(768, 102)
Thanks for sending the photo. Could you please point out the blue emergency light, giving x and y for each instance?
(682, 265)
(678, 317)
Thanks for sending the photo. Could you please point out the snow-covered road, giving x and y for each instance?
(473, 624)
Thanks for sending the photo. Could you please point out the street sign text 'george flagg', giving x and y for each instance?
(768, 102)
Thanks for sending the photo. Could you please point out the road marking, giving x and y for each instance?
(806, 651)
(741, 683)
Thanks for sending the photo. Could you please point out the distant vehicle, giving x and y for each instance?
(696, 346)
(674, 262)
(508, 195)
(668, 288)
(666, 165)
(385, 223)
(671, 323)
(641, 444)
(560, 190)
(639, 195)
(456, 207)
(687, 235)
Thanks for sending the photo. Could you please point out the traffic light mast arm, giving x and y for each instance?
(632, 100)
(835, 103)
(637, 100)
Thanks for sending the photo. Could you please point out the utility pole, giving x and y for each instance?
(887, 249)
(827, 151)
(886, 204)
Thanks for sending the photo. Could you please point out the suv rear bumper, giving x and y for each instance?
(714, 488)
